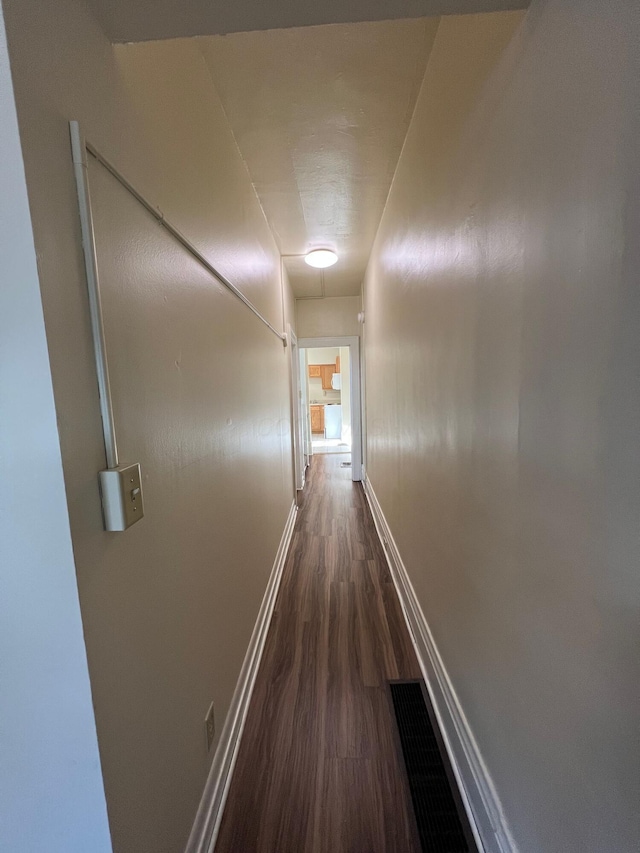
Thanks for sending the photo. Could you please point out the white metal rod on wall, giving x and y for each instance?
(177, 234)
(79, 152)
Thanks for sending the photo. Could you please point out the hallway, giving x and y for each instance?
(318, 768)
(195, 198)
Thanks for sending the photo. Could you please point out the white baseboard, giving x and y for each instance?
(207, 823)
(478, 793)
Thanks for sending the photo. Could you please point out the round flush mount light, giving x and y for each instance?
(321, 258)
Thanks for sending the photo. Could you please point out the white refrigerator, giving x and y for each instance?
(333, 421)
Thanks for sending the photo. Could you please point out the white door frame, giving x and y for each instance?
(353, 342)
(299, 465)
(305, 412)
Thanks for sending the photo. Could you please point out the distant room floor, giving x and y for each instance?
(329, 445)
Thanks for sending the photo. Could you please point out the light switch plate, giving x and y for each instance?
(121, 490)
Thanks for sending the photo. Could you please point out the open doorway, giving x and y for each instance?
(329, 418)
(329, 376)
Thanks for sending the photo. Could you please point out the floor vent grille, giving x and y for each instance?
(441, 821)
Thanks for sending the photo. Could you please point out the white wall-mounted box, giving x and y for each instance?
(121, 490)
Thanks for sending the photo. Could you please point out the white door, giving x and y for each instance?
(297, 420)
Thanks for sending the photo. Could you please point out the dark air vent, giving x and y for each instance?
(441, 821)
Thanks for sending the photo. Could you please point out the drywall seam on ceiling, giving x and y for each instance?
(253, 186)
(412, 105)
(238, 149)
(404, 144)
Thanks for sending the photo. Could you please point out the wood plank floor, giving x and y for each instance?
(318, 768)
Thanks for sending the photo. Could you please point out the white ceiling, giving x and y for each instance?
(144, 20)
(320, 115)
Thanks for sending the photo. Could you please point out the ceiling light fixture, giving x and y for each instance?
(321, 258)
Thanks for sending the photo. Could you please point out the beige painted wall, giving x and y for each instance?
(333, 316)
(322, 355)
(503, 392)
(168, 607)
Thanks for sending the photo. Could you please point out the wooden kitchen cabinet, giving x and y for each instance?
(317, 419)
(323, 372)
(326, 372)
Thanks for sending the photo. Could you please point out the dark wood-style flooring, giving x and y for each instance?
(318, 769)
